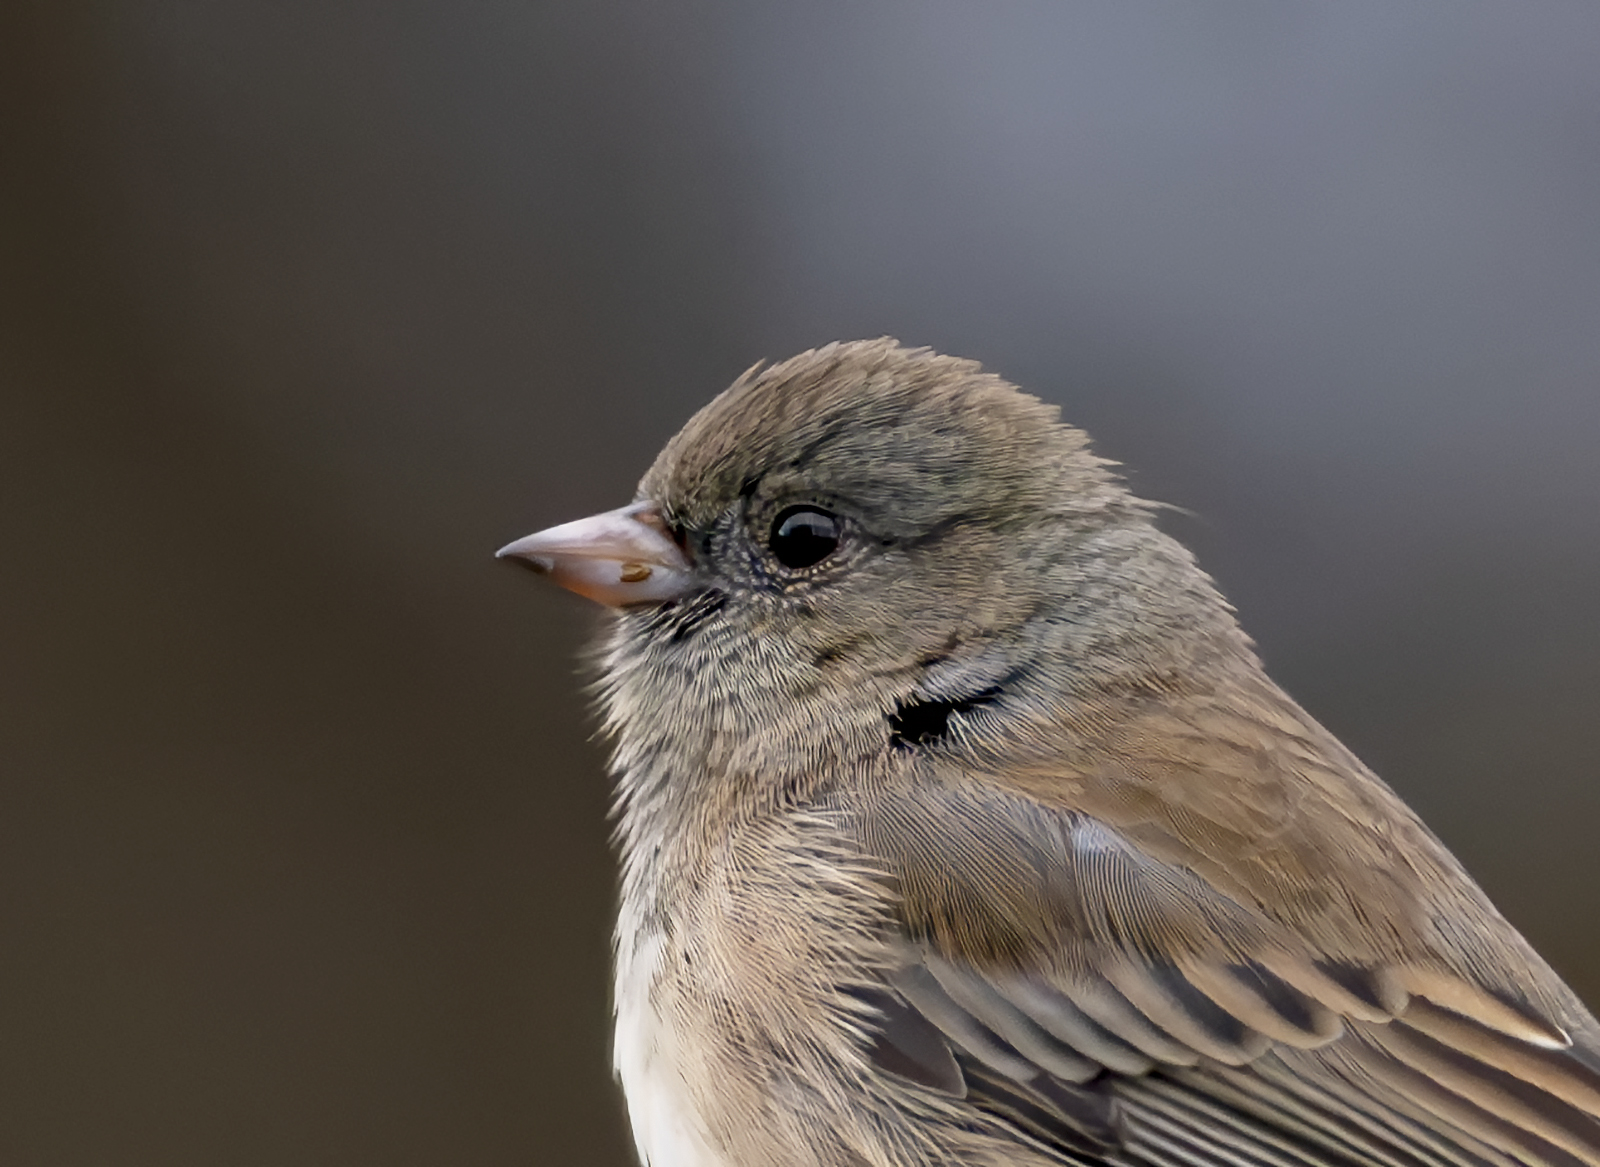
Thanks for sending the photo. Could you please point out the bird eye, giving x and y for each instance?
(804, 536)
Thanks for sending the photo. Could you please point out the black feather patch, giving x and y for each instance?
(681, 620)
(918, 723)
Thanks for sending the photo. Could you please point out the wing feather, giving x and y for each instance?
(1069, 969)
(1057, 1014)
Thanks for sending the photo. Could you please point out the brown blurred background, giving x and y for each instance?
(306, 306)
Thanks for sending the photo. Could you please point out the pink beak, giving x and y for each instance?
(622, 557)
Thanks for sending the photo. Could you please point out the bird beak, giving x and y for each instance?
(619, 558)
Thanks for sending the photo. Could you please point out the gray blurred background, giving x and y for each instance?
(306, 306)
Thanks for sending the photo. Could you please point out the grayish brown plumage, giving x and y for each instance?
(985, 840)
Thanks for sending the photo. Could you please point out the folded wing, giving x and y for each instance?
(1118, 1007)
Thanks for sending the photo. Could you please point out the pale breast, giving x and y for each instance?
(666, 1128)
(731, 943)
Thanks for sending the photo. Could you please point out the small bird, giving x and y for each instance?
(959, 824)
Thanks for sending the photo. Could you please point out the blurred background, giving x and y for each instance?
(307, 306)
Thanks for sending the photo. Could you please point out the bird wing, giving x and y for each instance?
(1119, 975)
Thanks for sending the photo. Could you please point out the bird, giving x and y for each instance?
(959, 823)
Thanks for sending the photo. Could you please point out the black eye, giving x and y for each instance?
(803, 536)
